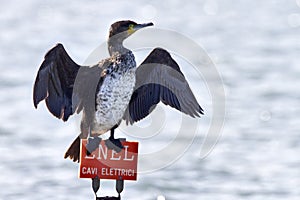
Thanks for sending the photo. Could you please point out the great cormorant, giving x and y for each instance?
(112, 90)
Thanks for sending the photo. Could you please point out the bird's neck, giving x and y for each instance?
(116, 46)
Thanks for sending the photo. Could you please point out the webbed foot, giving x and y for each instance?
(92, 144)
(114, 144)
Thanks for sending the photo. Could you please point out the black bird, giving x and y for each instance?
(112, 90)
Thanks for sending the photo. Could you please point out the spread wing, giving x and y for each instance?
(55, 83)
(159, 78)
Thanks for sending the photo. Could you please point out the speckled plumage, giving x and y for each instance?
(115, 92)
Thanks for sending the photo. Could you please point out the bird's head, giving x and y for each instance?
(123, 29)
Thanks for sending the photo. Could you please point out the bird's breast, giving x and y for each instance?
(112, 99)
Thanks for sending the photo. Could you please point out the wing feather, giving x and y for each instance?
(54, 82)
(159, 78)
(66, 86)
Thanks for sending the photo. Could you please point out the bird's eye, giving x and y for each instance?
(130, 26)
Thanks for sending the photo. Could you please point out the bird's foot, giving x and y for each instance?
(92, 144)
(114, 144)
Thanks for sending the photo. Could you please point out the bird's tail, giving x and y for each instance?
(74, 150)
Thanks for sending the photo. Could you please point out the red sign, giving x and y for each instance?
(108, 164)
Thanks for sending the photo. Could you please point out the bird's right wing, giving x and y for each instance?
(54, 82)
(65, 85)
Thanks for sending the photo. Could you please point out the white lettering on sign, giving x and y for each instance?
(126, 153)
(90, 156)
(89, 170)
(117, 172)
(114, 158)
(103, 154)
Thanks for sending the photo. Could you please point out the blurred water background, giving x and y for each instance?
(256, 48)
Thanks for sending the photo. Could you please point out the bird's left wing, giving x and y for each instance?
(159, 78)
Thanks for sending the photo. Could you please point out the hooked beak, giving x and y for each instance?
(139, 26)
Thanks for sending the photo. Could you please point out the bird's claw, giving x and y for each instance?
(114, 144)
(92, 145)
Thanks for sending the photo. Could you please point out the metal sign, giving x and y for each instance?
(108, 164)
